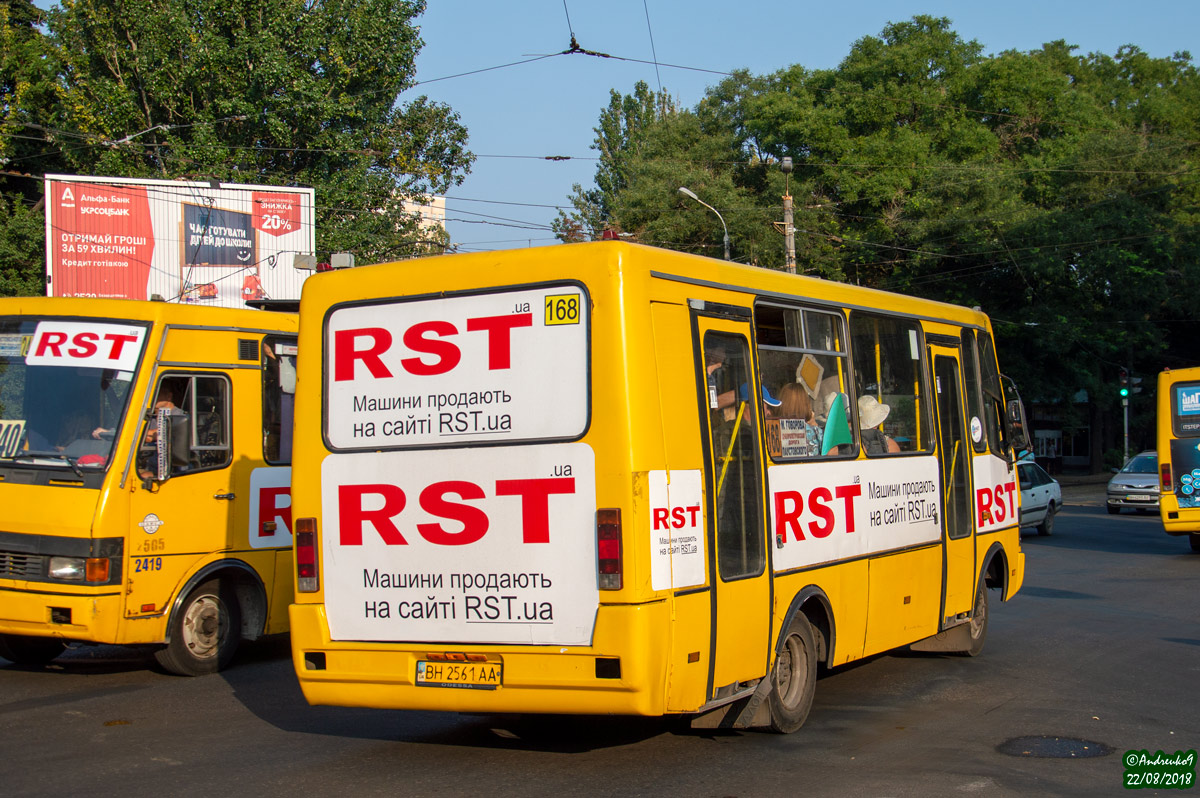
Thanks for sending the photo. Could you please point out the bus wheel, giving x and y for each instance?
(204, 632)
(31, 651)
(1194, 540)
(794, 678)
(978, 623)
(1047, 525)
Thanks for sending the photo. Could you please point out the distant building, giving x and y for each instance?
(433, 221)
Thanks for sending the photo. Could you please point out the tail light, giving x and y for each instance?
(1167, 484)
(306, 555)
(608, 548)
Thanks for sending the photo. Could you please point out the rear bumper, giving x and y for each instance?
(1176, 521)
(538, 679)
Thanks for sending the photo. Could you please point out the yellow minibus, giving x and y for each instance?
(1179, 453)
(144, 476)
(607, 478)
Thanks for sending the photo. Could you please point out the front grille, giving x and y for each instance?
(21, 565)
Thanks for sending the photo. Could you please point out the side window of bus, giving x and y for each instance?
(803, 363)
(889, 385)
(279, 398)
(199, 410)
(976, 406)
(993, 392)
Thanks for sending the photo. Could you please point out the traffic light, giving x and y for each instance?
(1136, 382)
(1124, 383)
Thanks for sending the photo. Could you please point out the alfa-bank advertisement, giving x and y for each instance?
(205, 243)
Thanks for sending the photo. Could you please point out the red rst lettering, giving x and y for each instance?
(118, 343)
(661, 519)
(499, 330)
(344, 353)
(849, 493)
(85, 345)
(535, 503)
(473, 519)
(1011, 488)
(447, 353)
(788, 517)
(352, 516)
(52, 341)
(269, 508)
(818, 506)
(983, 506)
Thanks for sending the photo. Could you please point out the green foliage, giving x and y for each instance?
(1050, 188)
(277, 92)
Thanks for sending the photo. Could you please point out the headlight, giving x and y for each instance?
(70, 569)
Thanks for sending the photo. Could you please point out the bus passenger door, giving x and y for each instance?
(954, 457)
(736, 533)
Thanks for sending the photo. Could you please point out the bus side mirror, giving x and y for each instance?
(172, 442)
(1016, 426)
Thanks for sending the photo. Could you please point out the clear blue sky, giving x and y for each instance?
(519, 116)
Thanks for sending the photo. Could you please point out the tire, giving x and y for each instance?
(794, 678)
(1112, 509)
(1194, 540)
(978, 625)
(205, 632)
(1046, 528)
(30, 651)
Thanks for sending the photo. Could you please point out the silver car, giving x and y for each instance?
(1041, 497)
(1135, 485)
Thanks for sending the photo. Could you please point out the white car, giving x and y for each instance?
(1041, 497)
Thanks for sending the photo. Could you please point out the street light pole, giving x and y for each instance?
(789, 231)
(687, 192)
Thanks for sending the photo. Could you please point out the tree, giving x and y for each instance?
(28, 96)
(280, 92)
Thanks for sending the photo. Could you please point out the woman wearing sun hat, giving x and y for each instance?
(872, 413)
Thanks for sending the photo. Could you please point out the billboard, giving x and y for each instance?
(185, 241)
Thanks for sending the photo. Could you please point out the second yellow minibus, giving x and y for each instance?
(144, 476)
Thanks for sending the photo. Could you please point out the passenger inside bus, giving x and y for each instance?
(871, 414)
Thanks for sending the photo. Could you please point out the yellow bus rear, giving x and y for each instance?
(144, 451)
(607, 478)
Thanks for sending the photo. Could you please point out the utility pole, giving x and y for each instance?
(789, 232)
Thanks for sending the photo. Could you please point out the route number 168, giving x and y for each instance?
(562, 309)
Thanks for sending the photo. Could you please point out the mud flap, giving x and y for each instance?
(957, 638)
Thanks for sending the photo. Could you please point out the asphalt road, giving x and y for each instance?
(1099, 654)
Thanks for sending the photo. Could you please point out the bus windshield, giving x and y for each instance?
(60, 406)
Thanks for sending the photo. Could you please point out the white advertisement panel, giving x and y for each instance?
(270, 507)
(185, 241)
(677, 557)
(493, 545)
(86, 344)
(504, 366)
(838, 510)
(996, 496)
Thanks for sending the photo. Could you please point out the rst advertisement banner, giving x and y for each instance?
(497, 367)
(996, 495)
(216, 244)
(84, 344)
(841, 510)
(491, 545)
